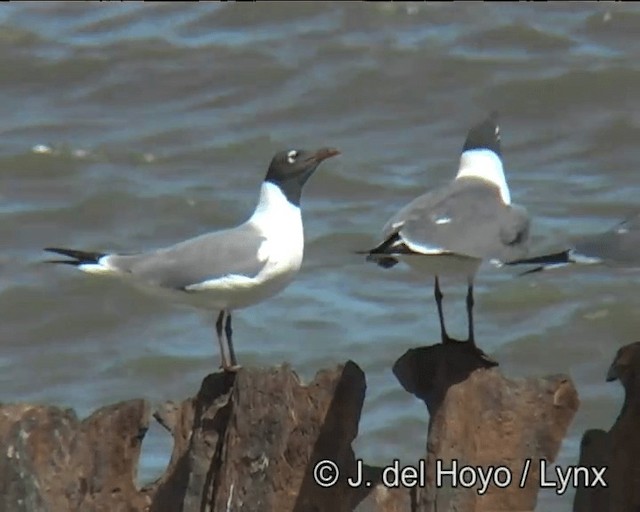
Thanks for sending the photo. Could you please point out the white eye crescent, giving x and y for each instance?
(498, 132)
(291, 156)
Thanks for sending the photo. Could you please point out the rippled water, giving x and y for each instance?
(126, 126)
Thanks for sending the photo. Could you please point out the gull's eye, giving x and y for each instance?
(291, 156)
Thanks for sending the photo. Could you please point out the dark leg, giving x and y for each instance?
(438, 295)
(228, 331)
(485, 358)
(219, 331)
(470, 303)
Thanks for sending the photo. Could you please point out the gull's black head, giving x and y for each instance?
(485, 135)
(291, 169)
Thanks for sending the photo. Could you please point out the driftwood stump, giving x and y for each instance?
(245, 442)
(618, 450)
(480, 419)
(251, 441)
(50, 461)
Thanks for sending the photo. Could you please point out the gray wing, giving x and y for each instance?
(209, 256)
(620, 245)
(467, 218)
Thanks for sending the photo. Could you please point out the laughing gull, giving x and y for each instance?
(616, 247)
(229, 269)
(451, 230)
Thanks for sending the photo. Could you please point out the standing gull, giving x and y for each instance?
(451, 230)
(229, 269)
(616, 247)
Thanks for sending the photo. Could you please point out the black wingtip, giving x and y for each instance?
(387, 262)
(531, 271)
(544, 262)
(556, 258)
(73, 263)
(381, 260)
(78, 257)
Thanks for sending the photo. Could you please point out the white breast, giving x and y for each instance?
(280, 222)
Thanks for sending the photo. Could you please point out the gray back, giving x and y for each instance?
(466, 218)
(209, 256)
